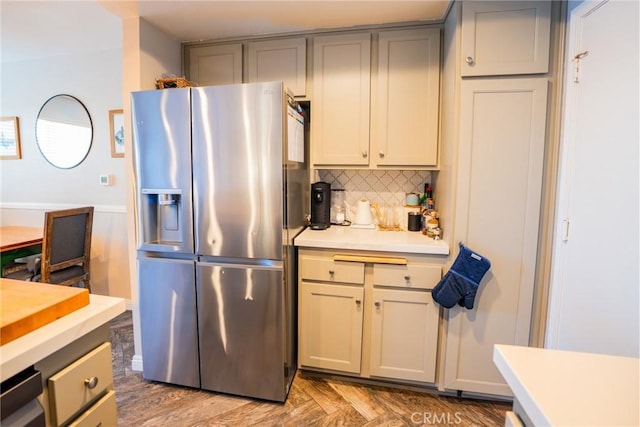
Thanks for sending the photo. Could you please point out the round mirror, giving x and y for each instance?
(64, 131)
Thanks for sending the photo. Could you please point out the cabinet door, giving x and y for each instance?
(330, 322)
(501, 147)
(405, 129)
(404, 335)
(505, 37)
(103, 412)
(215, 65)
(279, 60)
(341, 86)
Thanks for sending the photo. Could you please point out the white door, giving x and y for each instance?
(594, 285)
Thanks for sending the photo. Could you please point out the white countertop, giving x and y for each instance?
(339, 237)
(35, 346)
(566, 388)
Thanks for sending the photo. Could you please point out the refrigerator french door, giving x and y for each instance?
(240, 329)
(169, 328)
(222, 180)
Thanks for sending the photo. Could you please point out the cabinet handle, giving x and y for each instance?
(91, 383)
(469, 60)
(358, 302)
(381, 154)
(331, 273)
(377, 304)
(364, 153)
(407, 277)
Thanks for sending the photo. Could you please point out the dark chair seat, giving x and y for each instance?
(17, 272)
(75, 272)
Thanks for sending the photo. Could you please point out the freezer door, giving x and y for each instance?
(241, 330)
(168, 321)
(237, 170)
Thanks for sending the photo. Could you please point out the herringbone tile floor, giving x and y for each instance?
(312, 401)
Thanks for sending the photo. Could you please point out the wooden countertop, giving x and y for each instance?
(568, 388)
(26, 306)
(35, 346)
(14, 237)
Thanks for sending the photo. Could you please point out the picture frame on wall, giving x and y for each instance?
(9, 138)
(116, 125)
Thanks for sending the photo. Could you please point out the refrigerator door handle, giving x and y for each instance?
(241, 262)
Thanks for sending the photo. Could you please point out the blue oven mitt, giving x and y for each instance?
(460, 284)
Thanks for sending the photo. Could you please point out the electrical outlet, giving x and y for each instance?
(105, 179)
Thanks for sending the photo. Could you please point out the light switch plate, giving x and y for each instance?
(105, 179)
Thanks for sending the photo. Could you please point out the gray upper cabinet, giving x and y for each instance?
(214, 65)
(341, 88)
(500, 38)
(279, 60)
(405, 108)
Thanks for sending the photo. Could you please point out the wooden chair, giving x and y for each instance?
(66, 249)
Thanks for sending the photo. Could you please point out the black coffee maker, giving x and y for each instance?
(320, 205)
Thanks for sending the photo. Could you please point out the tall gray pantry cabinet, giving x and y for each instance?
(496, 140)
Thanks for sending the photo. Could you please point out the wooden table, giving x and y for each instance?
(17, 241)
(15, 237)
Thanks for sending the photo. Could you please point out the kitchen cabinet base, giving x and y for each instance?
(373, 381)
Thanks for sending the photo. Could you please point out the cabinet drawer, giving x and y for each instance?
(328, 270)
(407, 276)
(80, 383)
(103, 413)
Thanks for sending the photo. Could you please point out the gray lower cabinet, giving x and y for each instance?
(77, 382)
(368, 314)
(404, 325)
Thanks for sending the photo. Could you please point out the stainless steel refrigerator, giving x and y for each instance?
(222, 187)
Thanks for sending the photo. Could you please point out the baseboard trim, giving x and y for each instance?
(136, 363)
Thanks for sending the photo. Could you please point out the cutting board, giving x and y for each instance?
(26, 306)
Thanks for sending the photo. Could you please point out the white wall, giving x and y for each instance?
(30, 186)
(147, 53)
(95, 79)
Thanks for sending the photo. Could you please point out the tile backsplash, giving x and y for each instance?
(382, 186)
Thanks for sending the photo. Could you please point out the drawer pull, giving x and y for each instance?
(331, 273)
(91, 383)
(407, 278)
(370, 259)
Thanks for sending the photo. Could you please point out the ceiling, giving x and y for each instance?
(36, 29)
